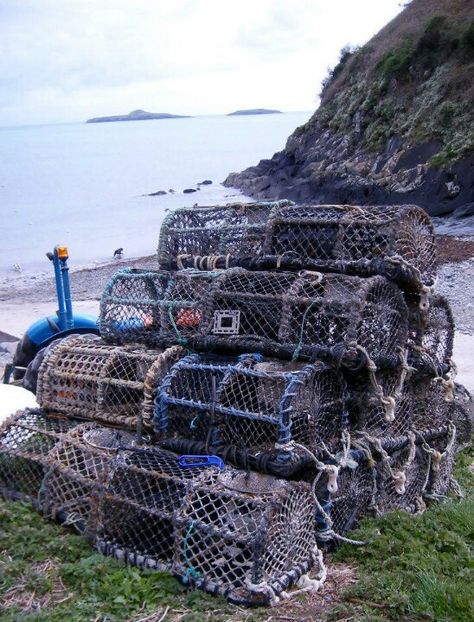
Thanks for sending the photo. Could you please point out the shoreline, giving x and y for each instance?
(87, 282)
(26, 300)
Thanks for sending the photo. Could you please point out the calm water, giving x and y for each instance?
(81, 185)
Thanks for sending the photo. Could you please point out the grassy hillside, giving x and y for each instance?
(414, 79)
(395, 124)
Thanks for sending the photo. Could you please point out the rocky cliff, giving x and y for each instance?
(395, 123)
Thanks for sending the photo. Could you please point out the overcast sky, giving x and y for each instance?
(67, 60)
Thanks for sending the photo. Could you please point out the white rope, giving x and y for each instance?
(387, 401)
(266, 589)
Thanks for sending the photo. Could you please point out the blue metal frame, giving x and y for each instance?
(282, 420)
(65, 322)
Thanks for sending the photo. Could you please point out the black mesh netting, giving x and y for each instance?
(238, 533)
(355, 411)
(431, 335)
(289, 315)
(244, 535)
(395, 241)
(418, 404)
(84, 377)
(237, 228)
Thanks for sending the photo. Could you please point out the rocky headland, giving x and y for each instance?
(395, 124)
(137, 115)
(253, 111)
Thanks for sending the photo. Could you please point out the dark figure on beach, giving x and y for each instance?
(118, 253)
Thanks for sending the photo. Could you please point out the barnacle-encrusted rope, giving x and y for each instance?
(435, 458)
(332, 471)
(388, 401)
(399, 476)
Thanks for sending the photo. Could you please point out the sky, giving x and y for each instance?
(68, 60)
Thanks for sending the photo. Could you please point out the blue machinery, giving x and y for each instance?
(65, 322)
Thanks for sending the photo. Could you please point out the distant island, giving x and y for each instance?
(254, 111)
(137, 115)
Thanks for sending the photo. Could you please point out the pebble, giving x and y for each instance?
(455, 282)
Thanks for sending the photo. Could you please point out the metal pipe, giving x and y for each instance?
(66, 291)
(62, 316)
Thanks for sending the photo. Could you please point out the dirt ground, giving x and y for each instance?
(453, 250)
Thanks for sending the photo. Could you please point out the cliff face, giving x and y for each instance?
(395, 124)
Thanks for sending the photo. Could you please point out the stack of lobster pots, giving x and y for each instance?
(283, 372)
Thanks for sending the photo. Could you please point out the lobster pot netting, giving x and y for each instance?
(25, 442)
(236, 229)
(290, 315)
(380, 475)
(345, 499)
(417, 404)
(395, 241)
(86, 378)
(250, 412)
(463, 415)
(441, 453)
(431, 335)
(78, 468)
(402, 473)
(243, 535)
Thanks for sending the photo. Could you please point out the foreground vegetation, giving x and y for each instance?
(416, 568)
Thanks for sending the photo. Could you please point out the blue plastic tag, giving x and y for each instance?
(200, 461)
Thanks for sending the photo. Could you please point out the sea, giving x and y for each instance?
(86, 185)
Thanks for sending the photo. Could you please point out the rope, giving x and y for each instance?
(266, 589)
(191, 572)
(399, 476)
(305, 583)
(181, 340)
(299, 345)
(332, 474)
(389, 401)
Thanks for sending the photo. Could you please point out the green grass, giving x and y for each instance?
(415, 568)
(94, 587)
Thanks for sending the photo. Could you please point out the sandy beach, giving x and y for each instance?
(24, 300)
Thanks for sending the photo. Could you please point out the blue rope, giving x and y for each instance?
(191, 572)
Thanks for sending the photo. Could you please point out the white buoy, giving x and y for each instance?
(13, 398)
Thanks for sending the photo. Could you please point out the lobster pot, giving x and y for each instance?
(130, 308)
(419, 403)
(136, 306)
(26, 439)
(395, 241)
(432, 403)
(442, 458)
(379, 404)
(86, 378)
(431, 336)
(78, 469)
(402, 472)
(242, 535)
(191, 233)
(342, 508)
(250, 411)
(305, 315)
(463, 415)
(138, 514)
